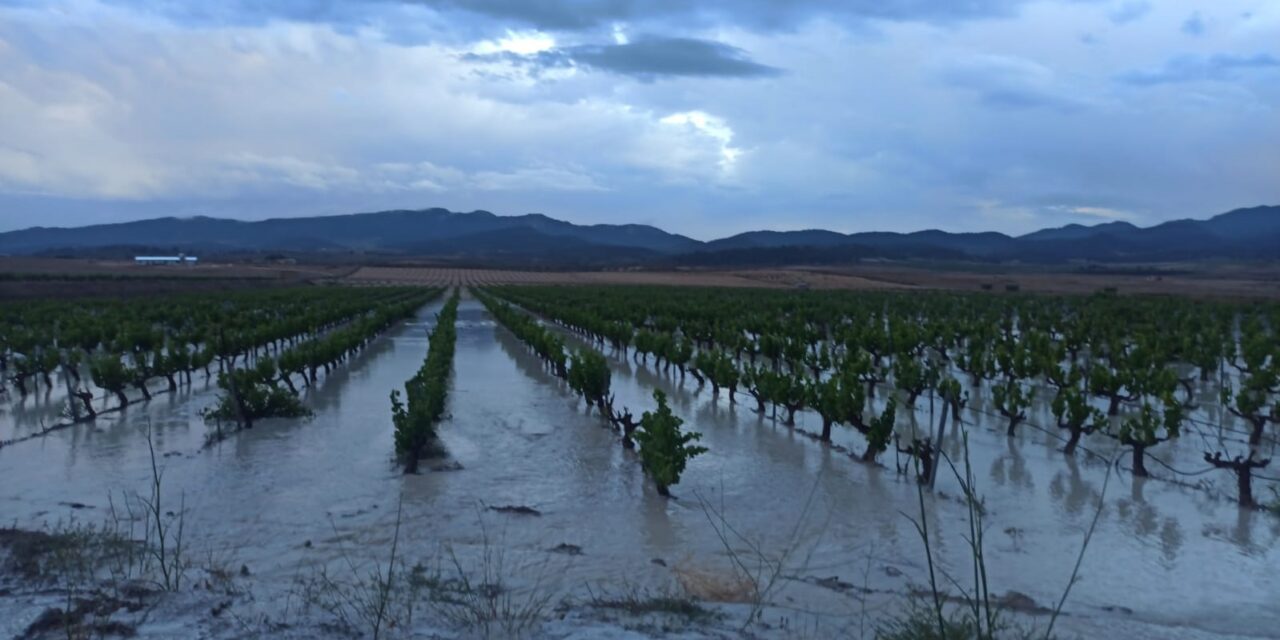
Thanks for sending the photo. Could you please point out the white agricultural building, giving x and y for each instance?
(181, 258)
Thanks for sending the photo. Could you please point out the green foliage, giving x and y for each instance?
(589, 375)
(664, 448)
(425, 393)
(251, 394)
(1011, 400)
(788, 348)
(1071, 407)
(1152, 424)
(111, 374)
(718, 367)
(1251, 401)
(1072, 411)
(829, 399)
(543, 341)
(913, 375)
(130, 342)
(952, 392)
(766, 385)
(949, 389)
(880, 431)
(678, 351)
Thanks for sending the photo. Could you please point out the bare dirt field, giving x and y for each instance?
(1222, 282)
(25, 278)
(1226, 281)
(769, 278)
(452, 276)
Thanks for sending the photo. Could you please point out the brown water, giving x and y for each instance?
(1167, 561)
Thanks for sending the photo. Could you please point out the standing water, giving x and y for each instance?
(534, 478)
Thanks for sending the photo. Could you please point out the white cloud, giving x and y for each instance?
(389, 177)
(997, 212)
(248, 168)
(1103, 213)
(535, 179)
(519, 42)
(698, 123)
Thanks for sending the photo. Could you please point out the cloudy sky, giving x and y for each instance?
(706, 118)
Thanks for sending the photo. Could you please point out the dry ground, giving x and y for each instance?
(770, 278)
(1218, 282)
(1199, 281)
(25, 278)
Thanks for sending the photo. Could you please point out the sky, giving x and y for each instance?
(704, 118)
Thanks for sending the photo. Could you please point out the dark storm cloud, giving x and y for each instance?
(646, 58)
(1192, 68)
(672, 57)
(252, 12)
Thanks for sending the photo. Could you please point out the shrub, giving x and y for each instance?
(664, 449)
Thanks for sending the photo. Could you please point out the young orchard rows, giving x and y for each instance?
(1137, 370)
(1106, 366)
(254, 392)
(664, 448)
(416, 418)
(258, 340)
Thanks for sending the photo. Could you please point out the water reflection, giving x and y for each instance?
(1072, 490)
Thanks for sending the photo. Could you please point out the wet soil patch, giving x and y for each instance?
(86, 618)
(451, 465)
(519, 510)
(1011, 601)
(26, 551)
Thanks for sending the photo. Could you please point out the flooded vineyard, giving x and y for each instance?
(532, 518)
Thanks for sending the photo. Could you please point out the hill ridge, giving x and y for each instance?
(1251, 233)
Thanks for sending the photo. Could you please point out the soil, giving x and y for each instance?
(28, 278)
(1190, 280)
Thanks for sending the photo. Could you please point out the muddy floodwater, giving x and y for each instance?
(1167, 559)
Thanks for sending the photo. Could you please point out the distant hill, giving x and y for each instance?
(1080, 231)
(773, 239)
(1246, 234)
(536, 239)
(426, 232)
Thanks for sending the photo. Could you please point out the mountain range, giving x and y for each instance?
(537, 240)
